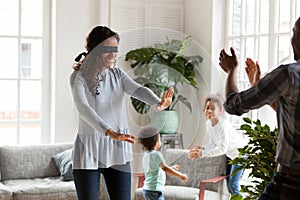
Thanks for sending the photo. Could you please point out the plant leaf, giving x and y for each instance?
(162, 66)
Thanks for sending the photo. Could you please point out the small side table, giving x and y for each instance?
(171, 141)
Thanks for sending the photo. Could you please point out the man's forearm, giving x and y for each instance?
(231, 83)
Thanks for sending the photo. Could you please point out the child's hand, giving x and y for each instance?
(196, 152)
(184, 178)
(176, 167)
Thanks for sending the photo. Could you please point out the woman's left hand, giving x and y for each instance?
(121, 137)
(166, 99)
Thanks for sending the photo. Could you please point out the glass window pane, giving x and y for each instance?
(250, 47)
(32, 14)
(30, 100)
(250, 17)
(9, 10)
(30, 133)
(243, 85)
(31, 58)
(263, 55)
(8, 134)
(283, 49)
(9, 51)
(21, 71)
(284, 16)
(8, 102)
(236, 17)
(236, 44)
(297, 9)
(247, 51)
(264, 16)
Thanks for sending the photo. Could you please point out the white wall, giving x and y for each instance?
(72, 21)
(204, 21)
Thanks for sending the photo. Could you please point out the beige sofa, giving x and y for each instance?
(30, 173)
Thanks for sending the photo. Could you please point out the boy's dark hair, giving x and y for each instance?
(148, 137)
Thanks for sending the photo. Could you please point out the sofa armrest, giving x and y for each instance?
(141, 178)
(211, 180)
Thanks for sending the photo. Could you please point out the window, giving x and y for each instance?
(261, 30)
(23, 71)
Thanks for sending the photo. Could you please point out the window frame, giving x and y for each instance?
(273, 36)
(44, 80)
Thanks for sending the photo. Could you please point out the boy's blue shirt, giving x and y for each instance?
(155, 177)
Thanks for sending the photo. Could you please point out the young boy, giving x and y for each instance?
(154, 165)
(221, 138)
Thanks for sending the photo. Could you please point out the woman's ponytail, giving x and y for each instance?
(78, 61)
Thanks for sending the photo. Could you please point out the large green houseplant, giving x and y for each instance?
(260, 157)
(161, 66)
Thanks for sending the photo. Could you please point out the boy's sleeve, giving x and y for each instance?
(159, 158)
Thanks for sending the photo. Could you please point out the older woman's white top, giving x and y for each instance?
(92, 149)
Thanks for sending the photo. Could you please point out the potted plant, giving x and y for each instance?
(260, 157)
(160, 66)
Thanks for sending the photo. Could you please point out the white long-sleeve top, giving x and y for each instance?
(222, 138)
(92, 149)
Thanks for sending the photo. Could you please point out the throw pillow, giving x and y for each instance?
(63, 162)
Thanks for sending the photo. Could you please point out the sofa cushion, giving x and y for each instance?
(41, 188)
(46, 189)
(63, 162)
(5, 192)
(35, 161)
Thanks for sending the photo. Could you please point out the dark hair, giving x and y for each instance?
(148, 137)
(216, 98)
(89, 69)
(98, 35)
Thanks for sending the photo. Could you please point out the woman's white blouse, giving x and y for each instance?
(92, 149)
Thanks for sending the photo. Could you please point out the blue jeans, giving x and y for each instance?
(153, 195)
(282, 187)
(234, 180)
(117, 179)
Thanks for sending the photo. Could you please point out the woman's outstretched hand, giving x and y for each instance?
(166, 100)
(121, 137)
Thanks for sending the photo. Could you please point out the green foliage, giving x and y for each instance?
(260, 152)
(236, 197)
(162, 66)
